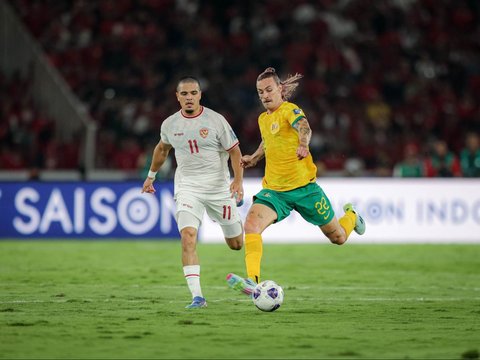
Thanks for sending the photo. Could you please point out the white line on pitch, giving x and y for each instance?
(317, 300)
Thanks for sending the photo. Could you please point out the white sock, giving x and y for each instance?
(192, 275)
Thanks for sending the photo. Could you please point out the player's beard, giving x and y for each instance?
(189, 111)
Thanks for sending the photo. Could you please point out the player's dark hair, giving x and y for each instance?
(289, 84)
(188, 79)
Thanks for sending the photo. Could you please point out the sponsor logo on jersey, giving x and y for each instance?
(187, 206)
(297, 111)
(204, 132)
(178, 134)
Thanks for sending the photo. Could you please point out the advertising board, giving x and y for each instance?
(395, 210)
(86, 210)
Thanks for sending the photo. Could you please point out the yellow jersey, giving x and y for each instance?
(283, 170)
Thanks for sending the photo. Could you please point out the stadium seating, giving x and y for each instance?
(378, 75)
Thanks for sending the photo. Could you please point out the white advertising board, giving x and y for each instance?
(395, 211)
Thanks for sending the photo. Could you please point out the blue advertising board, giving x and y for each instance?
(86, 210)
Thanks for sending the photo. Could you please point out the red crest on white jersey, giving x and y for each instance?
(204, 132)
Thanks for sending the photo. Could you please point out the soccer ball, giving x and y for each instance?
(268, 295)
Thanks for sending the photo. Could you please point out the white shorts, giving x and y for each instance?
(222, 211)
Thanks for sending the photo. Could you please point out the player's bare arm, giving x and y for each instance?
(249, 161)
(304, 135)
(236, 187)
(160, 154)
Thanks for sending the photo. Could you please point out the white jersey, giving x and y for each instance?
(201, 146)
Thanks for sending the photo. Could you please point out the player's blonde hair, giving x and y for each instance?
(288, 85)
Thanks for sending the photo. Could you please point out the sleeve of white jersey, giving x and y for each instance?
(164, 132)
(228, 139)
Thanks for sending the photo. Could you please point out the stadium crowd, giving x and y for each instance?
(390, 87)
(27, 134)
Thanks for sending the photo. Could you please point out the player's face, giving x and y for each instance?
(189, 95)
(270, 93)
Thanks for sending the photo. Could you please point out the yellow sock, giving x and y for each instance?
(253, 255)
(347, 222)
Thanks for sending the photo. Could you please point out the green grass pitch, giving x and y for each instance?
(125, 300)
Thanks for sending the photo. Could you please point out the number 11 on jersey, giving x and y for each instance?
(193, 146)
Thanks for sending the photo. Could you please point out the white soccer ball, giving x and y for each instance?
(268, 295)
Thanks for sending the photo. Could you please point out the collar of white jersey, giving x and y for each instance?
(194, 116)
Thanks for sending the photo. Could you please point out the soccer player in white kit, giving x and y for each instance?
(203, 142)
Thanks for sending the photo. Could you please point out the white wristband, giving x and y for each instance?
(152, 174)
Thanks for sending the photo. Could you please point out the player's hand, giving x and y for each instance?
(237, 191)
(148, 186)
(302, 152)
(247, 161)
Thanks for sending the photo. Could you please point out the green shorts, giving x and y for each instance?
(309, 201)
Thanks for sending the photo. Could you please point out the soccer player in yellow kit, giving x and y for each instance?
(290, 177)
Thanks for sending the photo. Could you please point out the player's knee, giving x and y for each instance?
(252, 226)
(338, 240)
(233, 235)
(188, 238)
(235, 245)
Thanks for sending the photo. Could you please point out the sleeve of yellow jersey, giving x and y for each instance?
(294, 113)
